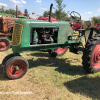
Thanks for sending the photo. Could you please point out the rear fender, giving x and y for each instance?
(90, 32)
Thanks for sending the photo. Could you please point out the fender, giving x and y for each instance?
(90, 32)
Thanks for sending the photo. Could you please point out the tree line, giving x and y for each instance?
(61, 15)
(12, 11)
(59, 12)
(96, 19)
(9, 11)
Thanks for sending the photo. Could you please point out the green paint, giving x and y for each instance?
(63, 38)
(34, 35)
(16, 68)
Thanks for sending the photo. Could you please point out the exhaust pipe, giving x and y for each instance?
(16, 11)
(50, 13)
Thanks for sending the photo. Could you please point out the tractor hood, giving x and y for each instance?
(22, 30)
(32, 22)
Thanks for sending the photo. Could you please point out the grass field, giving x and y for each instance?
(49, 78)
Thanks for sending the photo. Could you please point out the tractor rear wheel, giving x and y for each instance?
(58, 52)
(16, 67)
(91, 55)
(4, 61)
(4, 44)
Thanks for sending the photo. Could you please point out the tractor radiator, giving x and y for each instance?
(16, 36)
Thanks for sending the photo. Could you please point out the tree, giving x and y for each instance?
(25, 12)
(7, 12)
(19, 12)
(59, 13)
(96, 19)
(2, 9)
(47, 13)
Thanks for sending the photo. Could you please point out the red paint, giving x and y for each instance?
(97, 26)
(11, 70)
(3, 44)
(96, 57)
(60, 50)
(21, 15)
(47, 18)
(76, 25)
(30, 18)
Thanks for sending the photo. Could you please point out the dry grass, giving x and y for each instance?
(48, 78)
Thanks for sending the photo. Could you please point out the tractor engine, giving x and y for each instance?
(46, 35)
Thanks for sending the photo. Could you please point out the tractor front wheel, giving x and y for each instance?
(58, 52)
(4, 44)
(4, 61)
(16, 67)
(91, 55)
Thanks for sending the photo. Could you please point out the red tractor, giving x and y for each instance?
(47, 18)
(97, 26)
(76, 25)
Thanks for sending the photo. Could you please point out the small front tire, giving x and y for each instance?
(16, 67)
(4, 44)
(4, 61)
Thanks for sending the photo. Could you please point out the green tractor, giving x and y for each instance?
(29, 35)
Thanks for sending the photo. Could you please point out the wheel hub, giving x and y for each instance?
(96, 57)
(3, 45)
(16, 68)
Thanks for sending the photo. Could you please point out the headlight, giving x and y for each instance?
(88, 23)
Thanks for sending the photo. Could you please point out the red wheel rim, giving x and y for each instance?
(96, 57)
(3, 44)
(15, 73)
(60, 50)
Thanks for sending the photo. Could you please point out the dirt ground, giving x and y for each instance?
(23, 88)
(45, 82)
(19, 89)
(2, 55)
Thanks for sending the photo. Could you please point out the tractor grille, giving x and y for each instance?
(16, 36)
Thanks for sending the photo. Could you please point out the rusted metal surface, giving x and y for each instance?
(1, 24)
(10, 21)
(7, 34)
(6, 24)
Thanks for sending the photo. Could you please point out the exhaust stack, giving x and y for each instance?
(50, 13)
(16, 11)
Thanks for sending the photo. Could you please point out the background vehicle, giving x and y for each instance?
(6, 29)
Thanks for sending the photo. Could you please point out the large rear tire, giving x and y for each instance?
(16, 67)
(4, 44)
(91, 55)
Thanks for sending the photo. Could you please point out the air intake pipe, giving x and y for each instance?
(16, 11)
(50, 13)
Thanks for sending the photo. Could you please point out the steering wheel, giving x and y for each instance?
(74, 15)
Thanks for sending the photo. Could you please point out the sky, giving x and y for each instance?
(86, 8)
